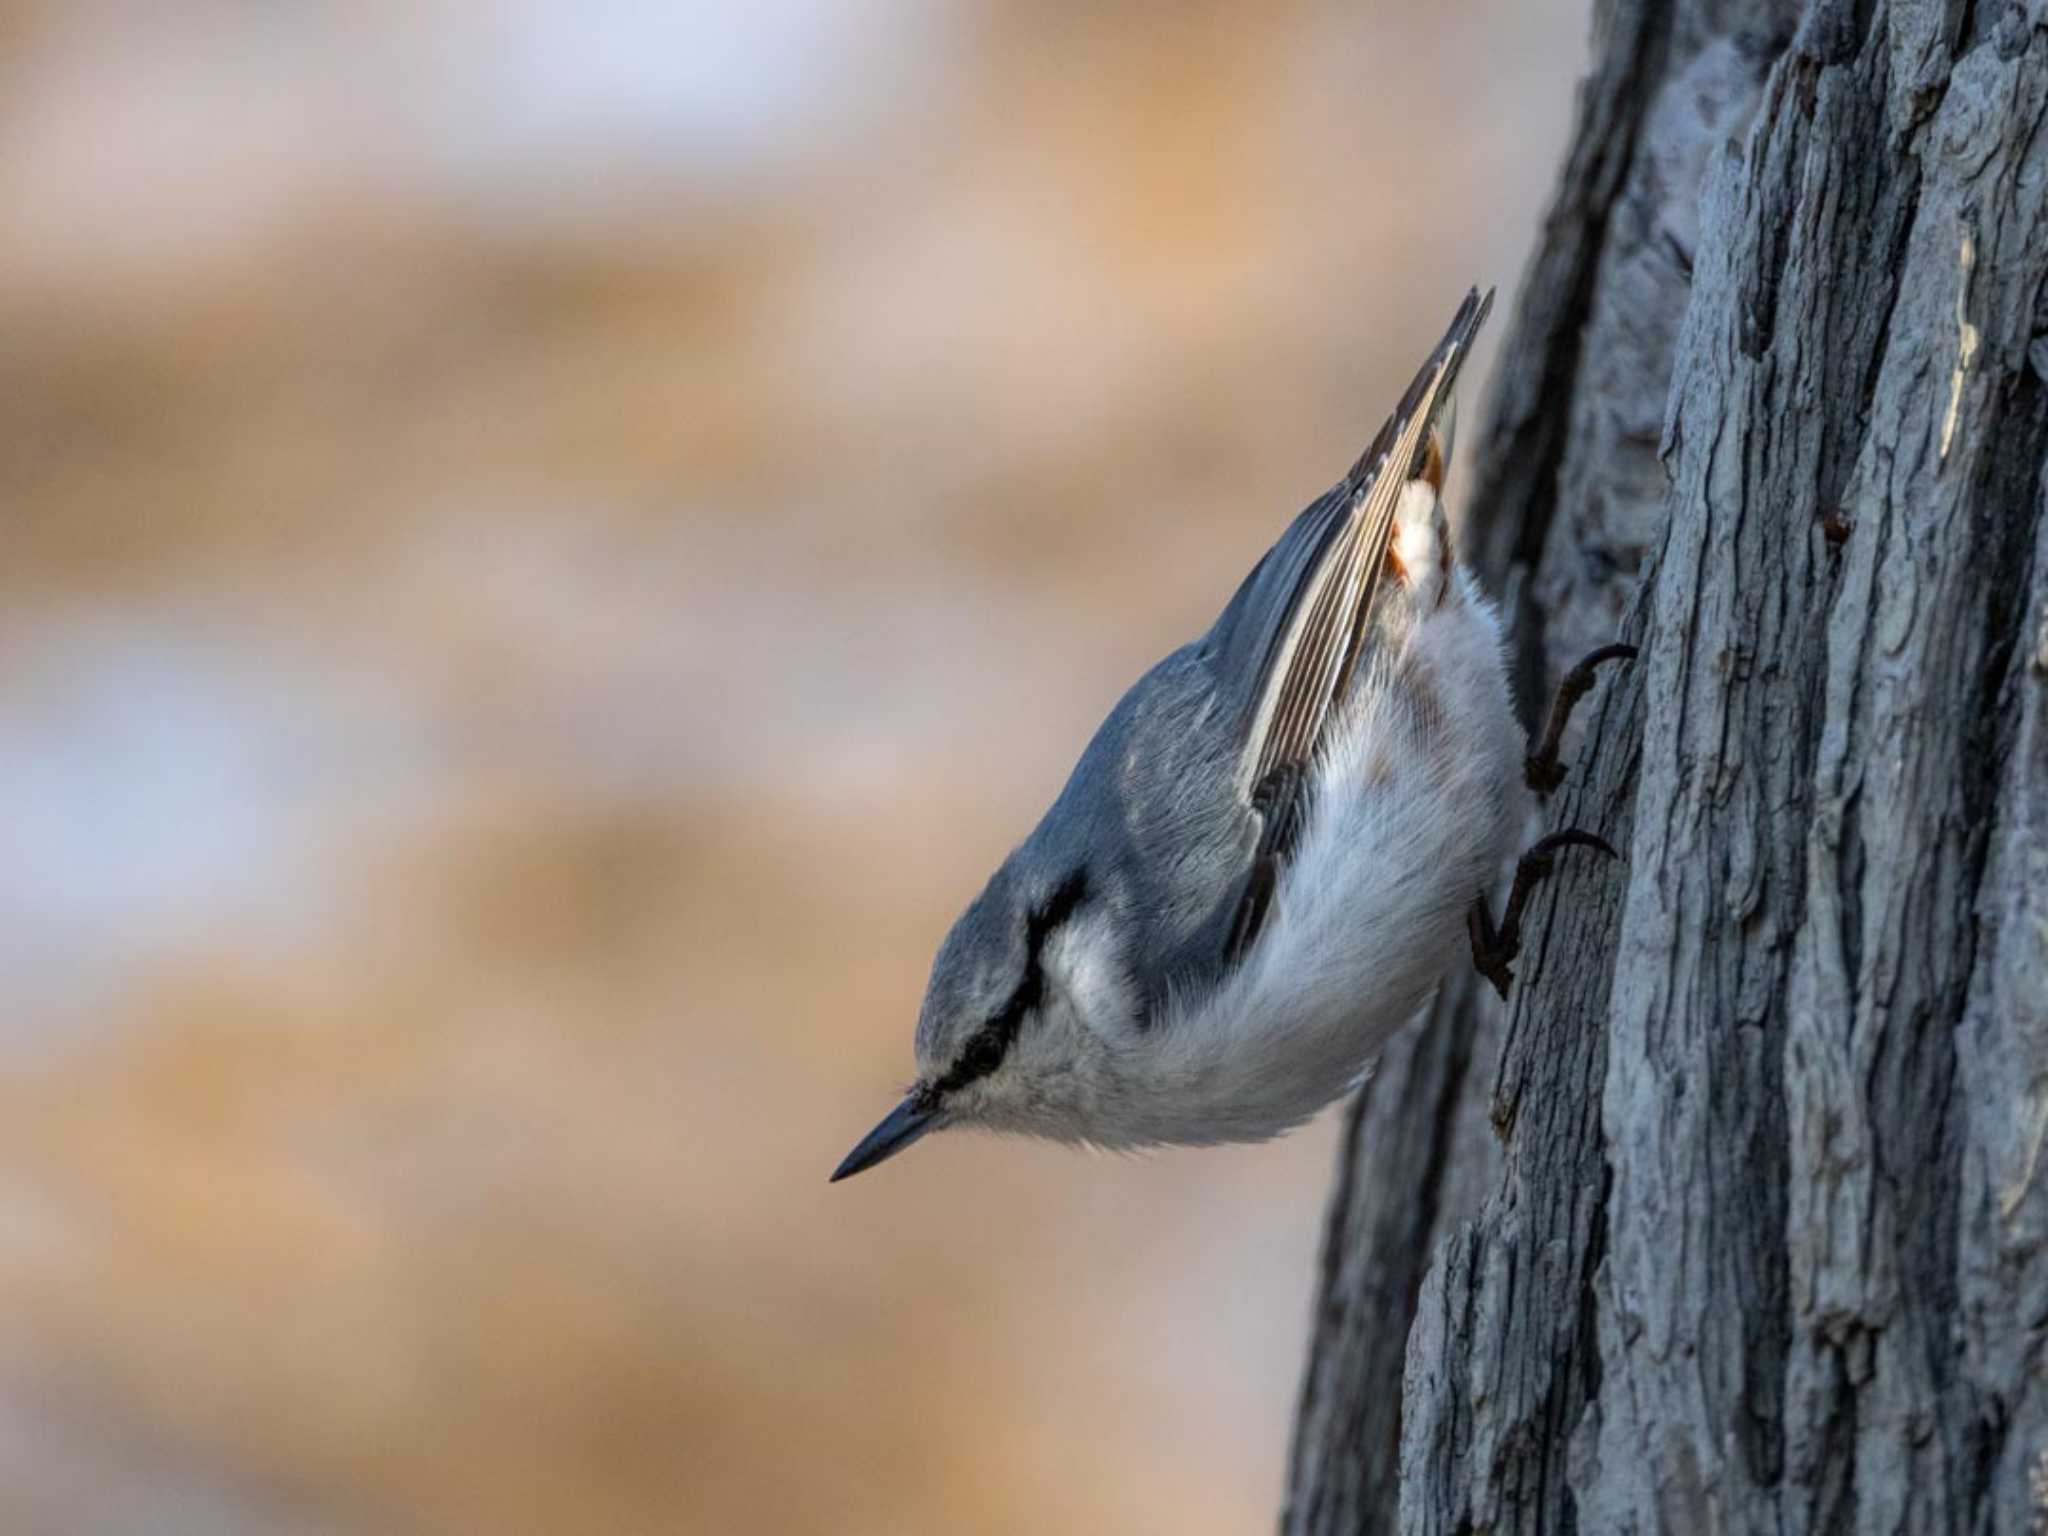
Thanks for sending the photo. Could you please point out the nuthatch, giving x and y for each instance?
(1264, 861)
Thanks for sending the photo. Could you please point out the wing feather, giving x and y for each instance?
(1303, 614)
(1332, 577)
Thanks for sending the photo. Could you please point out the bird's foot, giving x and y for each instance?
(1542, 768)
(1494, 949)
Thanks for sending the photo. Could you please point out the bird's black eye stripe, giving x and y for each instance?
(986, 1048)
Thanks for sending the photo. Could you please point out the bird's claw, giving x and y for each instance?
(1494, 948)
(1542, 769)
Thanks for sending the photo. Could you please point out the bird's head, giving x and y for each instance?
(1025, 1019)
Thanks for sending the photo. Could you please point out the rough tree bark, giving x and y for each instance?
(1737, 1218)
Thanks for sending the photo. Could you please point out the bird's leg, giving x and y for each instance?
(1541, 768)
(1493, 949)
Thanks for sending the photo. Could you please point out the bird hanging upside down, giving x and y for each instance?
(1270, 853)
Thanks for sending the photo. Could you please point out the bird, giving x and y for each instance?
(1265, 860)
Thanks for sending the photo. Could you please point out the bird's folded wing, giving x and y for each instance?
(1326, 571)
(1299, 626)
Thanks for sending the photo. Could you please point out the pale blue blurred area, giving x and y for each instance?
(718, 95)
(165, 772)
(149, 130)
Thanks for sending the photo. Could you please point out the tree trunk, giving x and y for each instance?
(1734, 1219)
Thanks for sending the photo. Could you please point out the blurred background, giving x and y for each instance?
(545, 550)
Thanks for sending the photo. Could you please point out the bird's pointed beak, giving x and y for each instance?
(899, 1128)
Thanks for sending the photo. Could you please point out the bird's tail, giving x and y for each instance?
(1420, 429)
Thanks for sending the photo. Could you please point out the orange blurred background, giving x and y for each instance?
(545, 550)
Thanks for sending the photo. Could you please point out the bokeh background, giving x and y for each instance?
(545, 549)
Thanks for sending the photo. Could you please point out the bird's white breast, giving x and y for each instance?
(1416, 802)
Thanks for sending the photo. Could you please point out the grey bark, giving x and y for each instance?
(1736, 1218)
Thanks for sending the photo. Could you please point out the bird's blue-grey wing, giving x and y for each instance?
(1187, 801)
(1294, 631)
(1286, 647)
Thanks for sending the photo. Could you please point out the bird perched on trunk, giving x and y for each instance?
(1266, 859)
